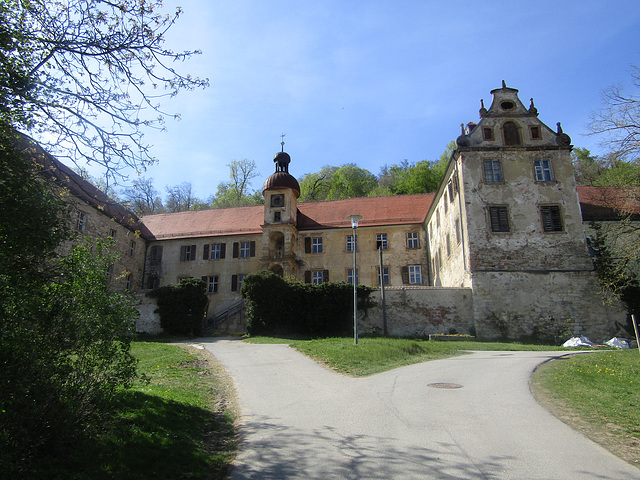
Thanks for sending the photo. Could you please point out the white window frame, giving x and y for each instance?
(385, 275)
(241, 277)
(415, 274)
(215, 251)
(413, 240)
(316, 244)
(350, 243)
(350, 276)
(245, 250)
(317, 277)
(544, 170)
(382, 237)
(212, 283)
(493, 171)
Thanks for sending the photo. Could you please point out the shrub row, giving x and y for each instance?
(182, 306)
(278, 306)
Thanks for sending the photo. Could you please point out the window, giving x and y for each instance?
(413, 241)
(544, 172)
(132, 249)
(351, 245)
(276, 216)
(236, 281)
(385, 275)
(451, 197)
(511, 134)
(350, 276)
(316, 277)
(243, 249)
(487, 133)
(212, 283)
(499, 219)
(445, 202)
(438, 218)
(155, 255)
(128, 282)
(112, 233)
(415, 274)
(81, 224)
(534, 130)
(217, 251)
(448, 245)
(153, 282)
(277, 200)
(551, 218)
(381, 241)
(492, 171)
(187, 253)
(316, 245)
(458, 231)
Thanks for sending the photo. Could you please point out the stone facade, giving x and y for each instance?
(499, 250)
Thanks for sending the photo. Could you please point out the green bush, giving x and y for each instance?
(182, 306)
(277, 306)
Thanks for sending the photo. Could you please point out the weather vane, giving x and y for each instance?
(282, 142)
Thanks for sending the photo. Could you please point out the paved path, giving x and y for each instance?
(299, 420)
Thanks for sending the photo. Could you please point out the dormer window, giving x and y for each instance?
(511, 134)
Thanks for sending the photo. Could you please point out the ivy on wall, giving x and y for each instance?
(278, 306)
(182, 306)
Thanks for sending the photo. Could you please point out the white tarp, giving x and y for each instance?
(618, 343)
(578, 342)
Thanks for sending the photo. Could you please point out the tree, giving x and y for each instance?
(85, 77)
(64, 339)
(180, 198)
(586, 167)
(314, 187)
(236, 192)
(351, 181)
(618, 121)
(143, 198)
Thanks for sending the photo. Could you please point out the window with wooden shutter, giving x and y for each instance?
(252, 249)
(205, 252)
(307, 245)
(307, 276)
(234, 283)
(223, 250)
(551, 218)
(404, 272)
(155, 255)
(236, 249)
(499, 219)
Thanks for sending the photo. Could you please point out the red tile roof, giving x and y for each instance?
(206, 223)
(392, 210)
(609, 203)
(64, 176)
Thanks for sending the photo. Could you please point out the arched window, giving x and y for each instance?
(511, 134)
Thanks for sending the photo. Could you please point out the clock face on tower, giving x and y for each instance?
(277, 200)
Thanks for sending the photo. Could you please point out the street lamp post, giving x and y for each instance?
(354, 224)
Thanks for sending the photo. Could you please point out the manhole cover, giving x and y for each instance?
(445, 385)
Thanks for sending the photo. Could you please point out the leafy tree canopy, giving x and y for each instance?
(86, 76)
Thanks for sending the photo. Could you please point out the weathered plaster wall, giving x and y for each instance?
(338, 260)
(148, 321)
(520, 301)
(420, 311)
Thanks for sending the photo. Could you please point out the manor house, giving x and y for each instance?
(500, 249)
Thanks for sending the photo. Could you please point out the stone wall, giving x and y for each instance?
(419, 311)
(148, 321)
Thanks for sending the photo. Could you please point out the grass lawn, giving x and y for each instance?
(598, 394)
(176, 422)
(378, 354)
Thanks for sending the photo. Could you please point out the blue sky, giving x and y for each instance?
(376, 82)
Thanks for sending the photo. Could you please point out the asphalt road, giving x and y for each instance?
(300, 420)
